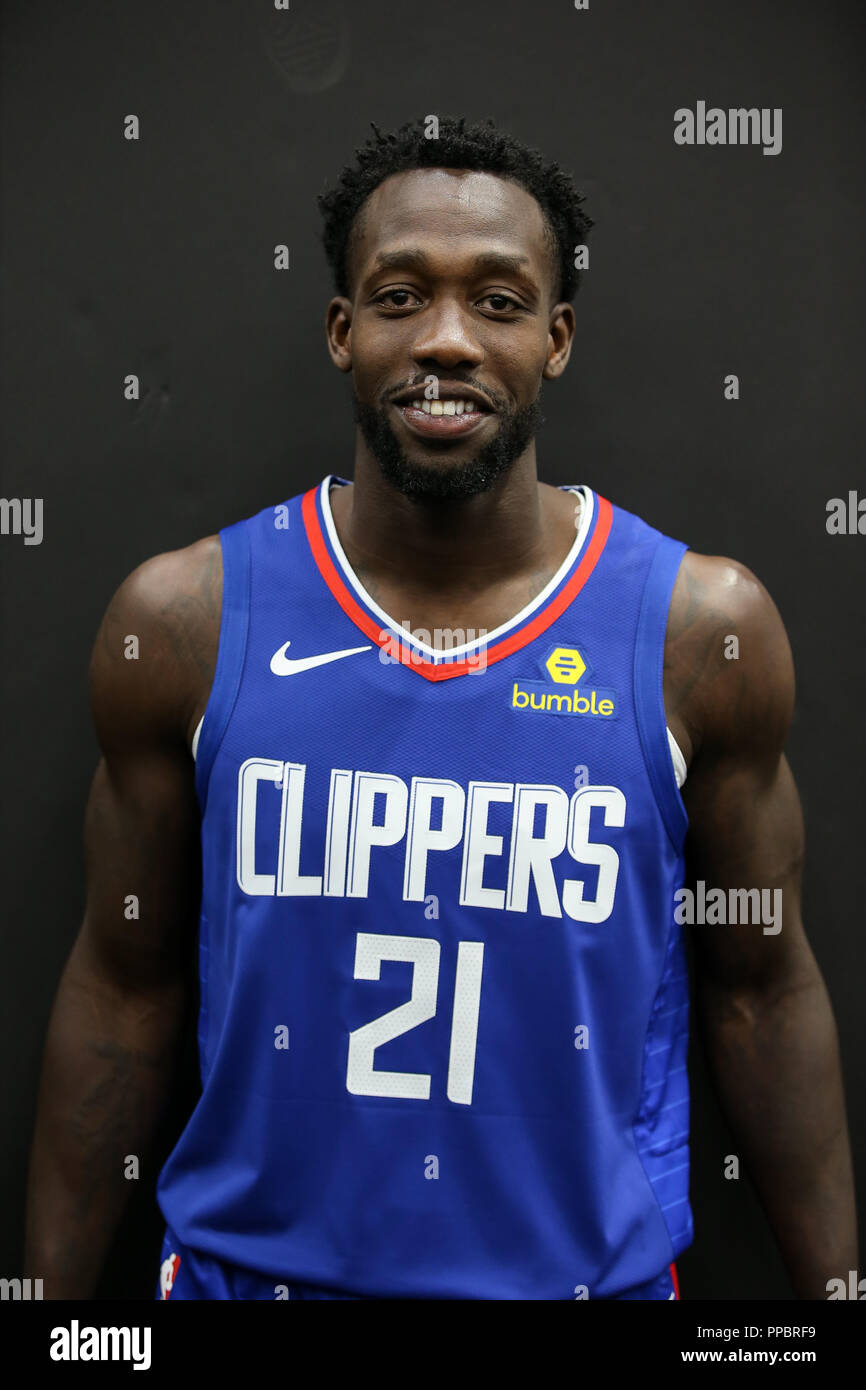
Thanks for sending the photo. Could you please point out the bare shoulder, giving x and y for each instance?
(728, 670)
(154, 656)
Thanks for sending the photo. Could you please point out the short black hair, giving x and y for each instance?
(480, 147)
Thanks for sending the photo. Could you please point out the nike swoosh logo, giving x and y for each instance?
(281, 665)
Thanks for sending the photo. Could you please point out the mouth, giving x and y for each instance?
(448, 418)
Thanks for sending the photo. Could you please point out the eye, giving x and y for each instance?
(399, 299)
(504, 302)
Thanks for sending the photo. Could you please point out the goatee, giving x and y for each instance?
(450, 482)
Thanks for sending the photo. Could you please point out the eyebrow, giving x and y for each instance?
(410, 258)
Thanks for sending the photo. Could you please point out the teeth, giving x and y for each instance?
(457, 406)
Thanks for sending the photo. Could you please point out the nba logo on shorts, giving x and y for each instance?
(167, 1275)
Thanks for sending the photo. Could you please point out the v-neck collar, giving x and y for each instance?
(432, 663)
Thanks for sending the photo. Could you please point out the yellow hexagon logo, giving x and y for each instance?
(565, 665)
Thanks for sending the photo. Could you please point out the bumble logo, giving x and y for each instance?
(565, 666)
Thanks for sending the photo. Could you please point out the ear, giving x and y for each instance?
(338, 327)
(559, 340)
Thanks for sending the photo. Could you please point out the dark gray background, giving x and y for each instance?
(156, 258)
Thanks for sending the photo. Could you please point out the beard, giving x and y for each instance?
(428, 482)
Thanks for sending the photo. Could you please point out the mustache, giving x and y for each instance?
(497, 402)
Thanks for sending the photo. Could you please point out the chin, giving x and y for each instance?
(434, 477)
(438, 480)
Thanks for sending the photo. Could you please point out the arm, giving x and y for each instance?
(762, 1005)
(111, 1047)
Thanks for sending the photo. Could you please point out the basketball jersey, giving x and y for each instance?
(444, 1001)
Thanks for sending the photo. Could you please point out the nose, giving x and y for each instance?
(445, 336)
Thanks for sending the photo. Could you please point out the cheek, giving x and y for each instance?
(521, 362)
(375, 355)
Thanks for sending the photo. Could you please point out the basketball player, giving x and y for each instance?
(417, 754)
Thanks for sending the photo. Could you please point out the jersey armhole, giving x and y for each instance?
(649, 689)
(231, 651)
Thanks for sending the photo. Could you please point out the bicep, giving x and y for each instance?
(746, 839)
(142, 858)
(141, 831)
(745, 833)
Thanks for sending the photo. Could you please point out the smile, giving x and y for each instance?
(442, 419)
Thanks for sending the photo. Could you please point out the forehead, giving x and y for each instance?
(470, 211)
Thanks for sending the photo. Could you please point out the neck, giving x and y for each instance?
(445, 547)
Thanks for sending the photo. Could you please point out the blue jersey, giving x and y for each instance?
(444, 1001)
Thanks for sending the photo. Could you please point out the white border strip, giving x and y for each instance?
(587, 513)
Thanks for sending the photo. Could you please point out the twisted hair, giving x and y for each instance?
(480, 147)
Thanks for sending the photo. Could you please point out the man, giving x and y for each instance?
(440, 718)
